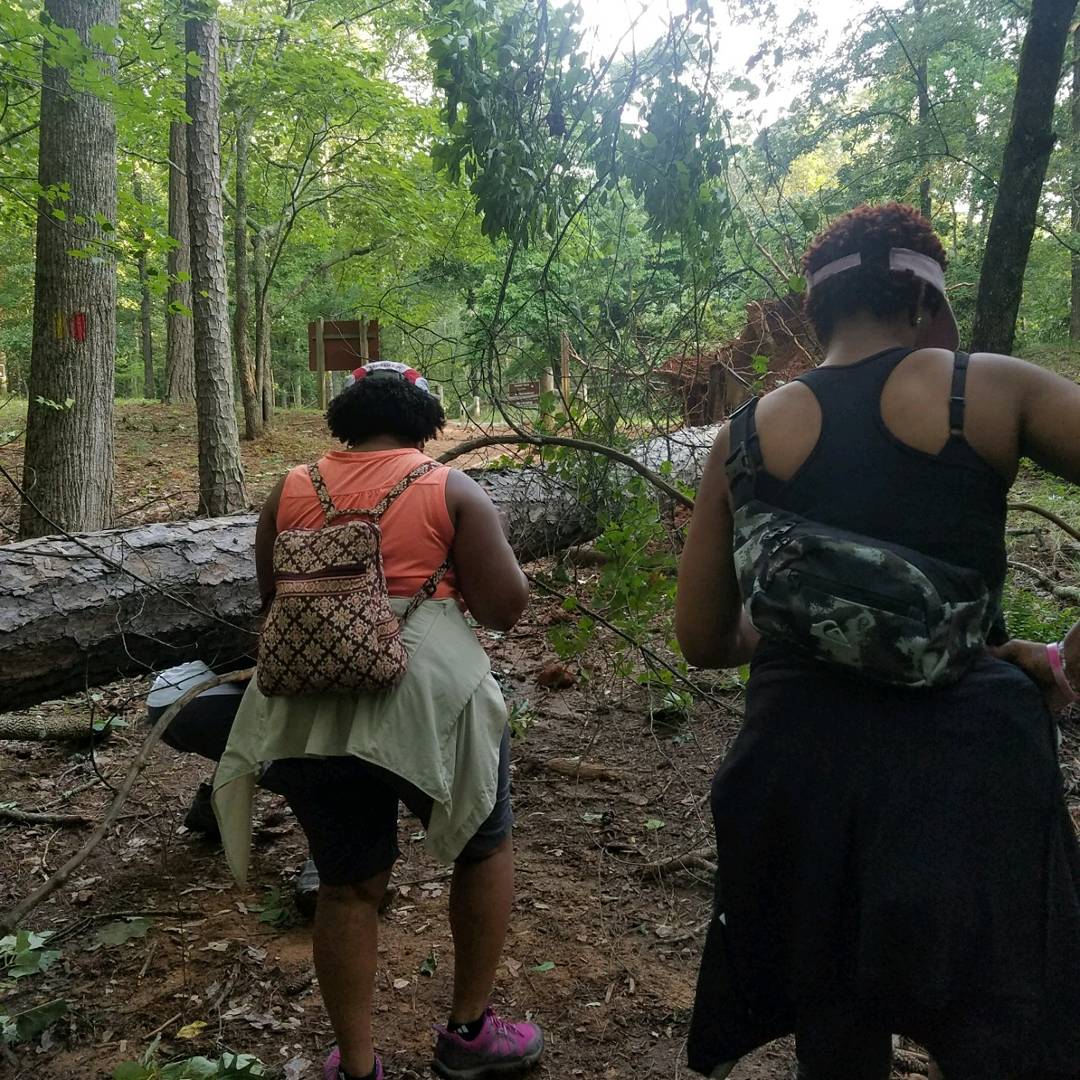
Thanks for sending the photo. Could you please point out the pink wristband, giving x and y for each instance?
(1053, 655)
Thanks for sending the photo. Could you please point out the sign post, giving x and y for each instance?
(320, 362)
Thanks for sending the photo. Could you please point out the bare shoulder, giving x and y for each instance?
(463, 491)
(1009, 369)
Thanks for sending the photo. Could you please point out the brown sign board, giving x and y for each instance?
(523, 393)
(341, 340)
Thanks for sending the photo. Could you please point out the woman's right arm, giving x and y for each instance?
(485, 568)
(265, 535)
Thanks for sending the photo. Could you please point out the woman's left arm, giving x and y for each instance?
(710, 624)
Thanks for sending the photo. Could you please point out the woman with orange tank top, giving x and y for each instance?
(438, 742)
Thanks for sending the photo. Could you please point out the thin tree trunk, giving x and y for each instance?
(922, 75)
(221, 477)
(68, 462)
(1074, 117)
(146, 305)
(245, 364)
(264, 371)
(1023, 170)
(179, 333)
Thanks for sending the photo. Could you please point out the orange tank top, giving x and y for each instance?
(416, 531)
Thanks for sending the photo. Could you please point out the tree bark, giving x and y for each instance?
(1074, 131)
(264, 370)
(69, 619)
(1023, 170)
(146, 306)
(179, 332)
(245, 364)
(922, 76)
(221, 477)
(68, 461)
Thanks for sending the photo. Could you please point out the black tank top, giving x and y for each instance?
(861, 477)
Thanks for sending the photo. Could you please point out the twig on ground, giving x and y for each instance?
(701, 859)
(10, 919)
(1061, 523)
(29, 817)
(1065, 593)
(685, 935)
(577, 769)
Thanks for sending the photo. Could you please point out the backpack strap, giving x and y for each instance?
(399, 489)
(319, 484)
(427, 590)
(333, 513)
(957, 402)
(744, 460)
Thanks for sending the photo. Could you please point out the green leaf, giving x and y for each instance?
(131, 1070)
(28, 1026)
(430, 964)
(653, 824)
(119, 933)
(547, 965)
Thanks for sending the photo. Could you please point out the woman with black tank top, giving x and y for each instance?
(891, 861)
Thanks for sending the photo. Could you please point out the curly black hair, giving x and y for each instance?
(384, 404)
(871, 231)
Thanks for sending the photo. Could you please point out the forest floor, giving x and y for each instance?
(153, 941)
(156, 473)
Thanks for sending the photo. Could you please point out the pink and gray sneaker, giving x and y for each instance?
(332, 1067)
(502, 1049)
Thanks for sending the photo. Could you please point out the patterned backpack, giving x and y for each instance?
(330, 626)
(881, 610)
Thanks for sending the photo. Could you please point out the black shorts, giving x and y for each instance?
(348, 809)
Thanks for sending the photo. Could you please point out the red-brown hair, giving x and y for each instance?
(872, 231)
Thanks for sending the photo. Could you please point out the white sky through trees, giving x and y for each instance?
(629, 23)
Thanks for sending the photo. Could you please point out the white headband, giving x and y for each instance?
(922, 266)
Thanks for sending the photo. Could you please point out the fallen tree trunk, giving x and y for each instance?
(69, 727)
(81, 611)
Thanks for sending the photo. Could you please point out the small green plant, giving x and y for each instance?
(24, 953)
(275, 910)
(635, 588)
(521, 718)
(1033, 617)
(28, 1025)
(227, 1067)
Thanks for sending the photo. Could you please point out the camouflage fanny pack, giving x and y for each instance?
(888, 613)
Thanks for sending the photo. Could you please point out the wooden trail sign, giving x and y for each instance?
(344, 344)
(523, 393)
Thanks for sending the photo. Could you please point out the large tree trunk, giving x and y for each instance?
(1023, 169)
(245, 364)
(179, 332)
(146, 306)
(68, 462)
(264, 371)
(221, 477)
(68, 620)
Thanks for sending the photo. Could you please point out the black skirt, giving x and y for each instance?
(907, 851)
